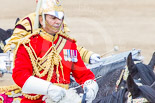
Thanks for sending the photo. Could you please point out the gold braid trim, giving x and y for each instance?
(47, 36)
(84, 54)
(4, 89)
(65, 86)
(59, 45)
(31, 97)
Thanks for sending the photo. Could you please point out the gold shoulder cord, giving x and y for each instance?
(53, 59)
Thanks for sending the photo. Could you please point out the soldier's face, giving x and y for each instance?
(52, 24)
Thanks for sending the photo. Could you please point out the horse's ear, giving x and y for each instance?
(132, 87)
(131, 66)
(130, 62)
(152, 61)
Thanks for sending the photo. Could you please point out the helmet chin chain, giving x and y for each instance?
(51, 27)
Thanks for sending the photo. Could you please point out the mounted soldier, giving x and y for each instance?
(46, 56)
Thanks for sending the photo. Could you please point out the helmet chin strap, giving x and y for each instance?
(52, 27)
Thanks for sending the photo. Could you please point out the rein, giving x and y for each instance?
(82, 84)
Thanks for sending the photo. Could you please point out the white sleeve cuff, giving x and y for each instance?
(34, 85)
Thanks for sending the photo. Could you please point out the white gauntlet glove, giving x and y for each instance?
(56, 93)
(34, 85)
(91, 89)
(94, 58)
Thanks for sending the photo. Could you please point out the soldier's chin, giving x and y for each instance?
(55, 31)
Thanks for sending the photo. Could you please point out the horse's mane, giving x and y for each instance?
(148, 93)
(146, 74)
(116, 97)
(102, 70)
(152, 61)
(107, 84)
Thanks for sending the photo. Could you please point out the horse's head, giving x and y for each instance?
(131, 66)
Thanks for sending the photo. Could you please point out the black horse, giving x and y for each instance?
(111, 92)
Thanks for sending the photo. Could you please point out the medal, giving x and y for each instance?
(70, 55)
(65, 54)
(75, 56)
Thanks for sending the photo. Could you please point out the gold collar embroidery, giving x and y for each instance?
(47, 36)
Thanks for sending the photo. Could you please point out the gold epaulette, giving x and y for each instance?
(31, 16)
(24, 40)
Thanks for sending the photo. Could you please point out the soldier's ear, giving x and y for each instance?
(41, 20)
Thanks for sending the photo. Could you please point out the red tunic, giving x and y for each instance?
(23, 67)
